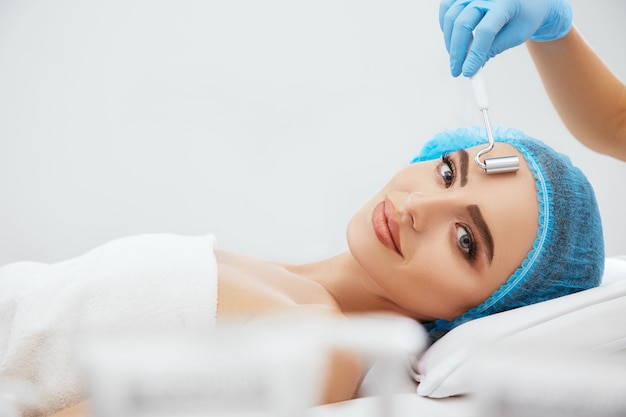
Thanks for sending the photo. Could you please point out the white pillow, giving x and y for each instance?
(590, 320)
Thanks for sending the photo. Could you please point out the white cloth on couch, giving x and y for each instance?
(144, 282)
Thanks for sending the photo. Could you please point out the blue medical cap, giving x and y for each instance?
(568, 254)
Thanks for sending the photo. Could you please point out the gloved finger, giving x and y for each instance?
(462, 36)
(477, 55)
(485, 33)
(449, 20)
(443, 9)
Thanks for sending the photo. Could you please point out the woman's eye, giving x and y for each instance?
(465, 241)
(446, 170)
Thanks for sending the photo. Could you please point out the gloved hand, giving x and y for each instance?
(477, 30)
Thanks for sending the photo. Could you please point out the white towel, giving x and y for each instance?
(146, 281)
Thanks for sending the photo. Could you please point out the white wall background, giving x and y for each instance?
(266, 122)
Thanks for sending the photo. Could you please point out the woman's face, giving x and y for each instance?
(443, 235)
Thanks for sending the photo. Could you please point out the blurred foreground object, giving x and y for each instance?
(274, 367)
(543, 381)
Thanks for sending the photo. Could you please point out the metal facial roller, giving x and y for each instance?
(491, 165)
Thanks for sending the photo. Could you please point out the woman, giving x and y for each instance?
(442, 243)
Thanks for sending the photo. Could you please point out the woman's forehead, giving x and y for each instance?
(510, 206)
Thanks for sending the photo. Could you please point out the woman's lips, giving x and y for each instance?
(385, 226)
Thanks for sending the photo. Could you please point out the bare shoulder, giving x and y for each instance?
(248, 286)
(78, 410)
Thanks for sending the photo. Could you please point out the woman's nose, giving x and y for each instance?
(423, 207)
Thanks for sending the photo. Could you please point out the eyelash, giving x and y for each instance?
(447, 161)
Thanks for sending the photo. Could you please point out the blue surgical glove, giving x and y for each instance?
(476, 30)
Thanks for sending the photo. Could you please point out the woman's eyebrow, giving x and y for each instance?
(483, 230)
(464, 159)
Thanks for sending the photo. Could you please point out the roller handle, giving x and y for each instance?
(480, 90)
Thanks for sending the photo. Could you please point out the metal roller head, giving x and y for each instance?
(501, 164)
